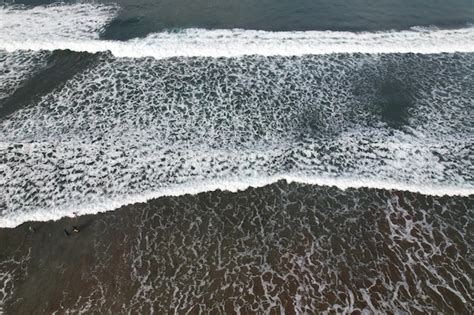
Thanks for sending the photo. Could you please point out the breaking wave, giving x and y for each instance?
(14, 219)
(78, 27)
(319, 107)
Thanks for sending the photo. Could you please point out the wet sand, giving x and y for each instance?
(289, 248)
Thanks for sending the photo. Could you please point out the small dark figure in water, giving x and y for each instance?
(75, 228)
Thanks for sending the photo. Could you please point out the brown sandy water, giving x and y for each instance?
(283, 248)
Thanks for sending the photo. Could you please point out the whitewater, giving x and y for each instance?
(77, 27)
(11, 220)
(241, 113)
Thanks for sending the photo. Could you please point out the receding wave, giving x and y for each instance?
(130, 129)
(77, 27)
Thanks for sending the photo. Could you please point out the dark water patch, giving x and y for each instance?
(285, 15)
(16, 68)
(392, 88)
(61, 65)
(302, 248)
(395, 100)
(142, 17)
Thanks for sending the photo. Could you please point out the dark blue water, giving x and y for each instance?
(140, 17)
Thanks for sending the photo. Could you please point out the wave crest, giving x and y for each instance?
(77, 27)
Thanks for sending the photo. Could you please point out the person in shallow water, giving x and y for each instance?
(75, 227)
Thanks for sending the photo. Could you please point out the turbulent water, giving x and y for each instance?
(104, 105)
(173, 123)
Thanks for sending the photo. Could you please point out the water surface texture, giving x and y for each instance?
(293, 249)
(353, 117)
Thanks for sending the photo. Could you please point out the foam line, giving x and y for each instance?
(77, 27)
(14, 219)
(235, 43)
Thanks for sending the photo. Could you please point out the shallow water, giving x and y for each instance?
(281, 248)
(109, 106)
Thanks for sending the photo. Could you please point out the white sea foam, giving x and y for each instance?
(77, 27)
(128, 130)
(132, 129)
(232, 184)
(54, 22)
(16, 67)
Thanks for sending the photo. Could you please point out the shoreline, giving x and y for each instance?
(237, 186)
(284, 246)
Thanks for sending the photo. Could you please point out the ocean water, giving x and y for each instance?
(106, 104)
(279, 249)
